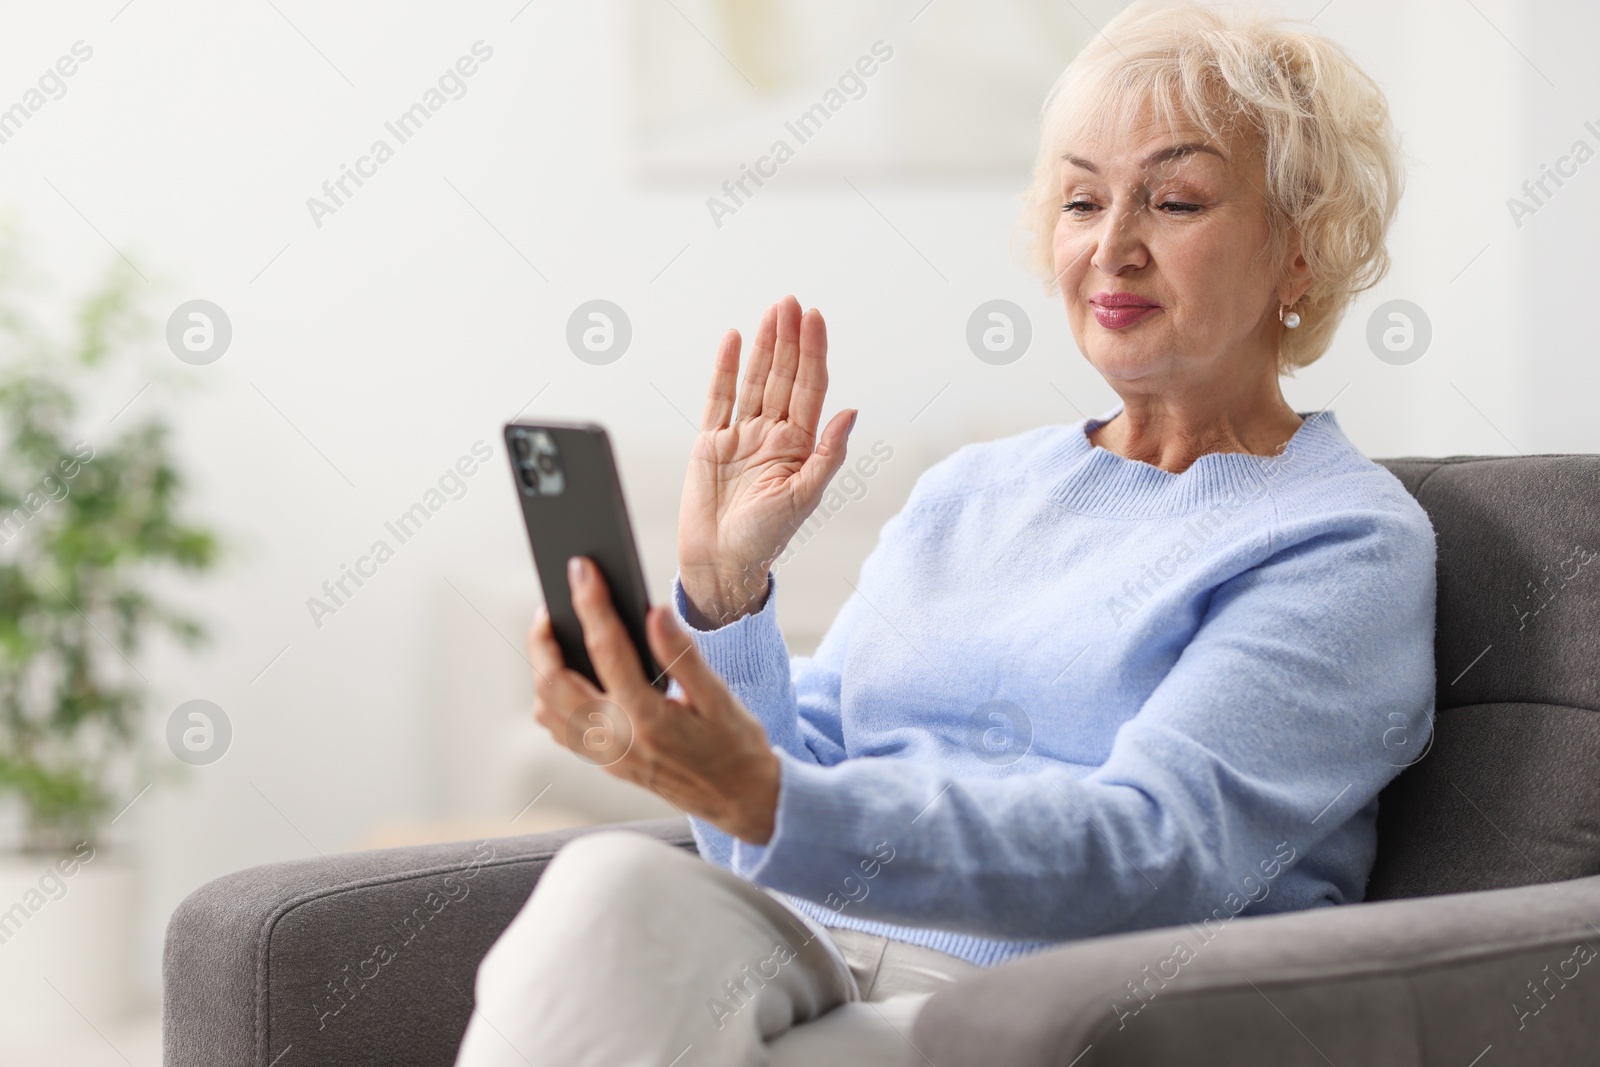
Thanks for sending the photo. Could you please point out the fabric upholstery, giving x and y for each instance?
(252, 959)
(1508, 794)
(1407, 983)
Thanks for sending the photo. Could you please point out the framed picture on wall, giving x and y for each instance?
(819, 88)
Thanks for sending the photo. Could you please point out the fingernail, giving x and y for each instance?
(853, 416)
(575, 570)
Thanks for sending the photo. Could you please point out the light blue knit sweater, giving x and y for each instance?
(1073, 694)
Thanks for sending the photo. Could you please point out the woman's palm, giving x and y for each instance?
(758, 467)
(748, 489)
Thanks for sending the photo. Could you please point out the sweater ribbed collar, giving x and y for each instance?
(1089, 479)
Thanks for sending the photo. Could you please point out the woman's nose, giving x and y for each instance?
(1119, 240)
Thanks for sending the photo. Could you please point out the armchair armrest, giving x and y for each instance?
(1425, 981)
(361, 958)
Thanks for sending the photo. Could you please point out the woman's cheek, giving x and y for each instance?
(1068, 252)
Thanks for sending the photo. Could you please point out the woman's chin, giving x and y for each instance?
(1123, 364)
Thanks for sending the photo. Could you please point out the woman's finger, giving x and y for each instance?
(556, 684)
(811, 381)
(785, 361)
(724, 378)
(673, 648)
(820, 467)
(544, 653)
(755, 371)
(616, 661)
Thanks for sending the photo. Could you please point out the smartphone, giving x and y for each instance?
(572, 505)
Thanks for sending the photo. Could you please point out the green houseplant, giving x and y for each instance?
(88, 516)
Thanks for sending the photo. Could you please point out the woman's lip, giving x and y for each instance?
(1117, 318)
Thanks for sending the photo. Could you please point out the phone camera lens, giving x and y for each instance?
(538, 462)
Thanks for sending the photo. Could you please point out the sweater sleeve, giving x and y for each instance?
(1276, 725)
(797, 700)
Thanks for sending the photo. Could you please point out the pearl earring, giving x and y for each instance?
(1291, 320)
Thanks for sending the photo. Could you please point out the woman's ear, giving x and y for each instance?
(1297, 278)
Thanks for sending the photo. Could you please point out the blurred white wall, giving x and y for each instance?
(370, 353)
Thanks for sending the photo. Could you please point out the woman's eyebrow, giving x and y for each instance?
(1161, 156)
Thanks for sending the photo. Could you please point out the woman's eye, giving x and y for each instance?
(1076, 207)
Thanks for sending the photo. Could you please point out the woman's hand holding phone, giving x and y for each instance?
(704, 753)
(758, 468)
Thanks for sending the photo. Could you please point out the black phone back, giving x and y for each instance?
(572, 505)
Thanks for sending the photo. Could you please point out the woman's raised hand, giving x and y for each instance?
(757, 469)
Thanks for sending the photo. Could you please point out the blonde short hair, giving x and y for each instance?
(1334, 173)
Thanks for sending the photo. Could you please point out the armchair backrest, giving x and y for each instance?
(1507, 793)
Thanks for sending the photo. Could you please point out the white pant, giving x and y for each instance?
(634, 953)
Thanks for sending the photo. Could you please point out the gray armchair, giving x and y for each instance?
(1476, 944)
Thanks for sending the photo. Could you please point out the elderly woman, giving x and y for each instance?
(1145, 669)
